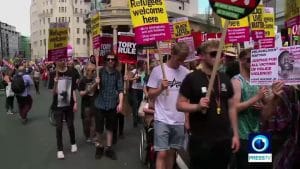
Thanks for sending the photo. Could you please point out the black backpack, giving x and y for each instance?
(18, 84)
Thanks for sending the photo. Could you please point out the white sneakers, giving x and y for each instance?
(60, 154)
(73, 148)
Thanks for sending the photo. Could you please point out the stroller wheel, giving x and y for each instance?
(143, 146)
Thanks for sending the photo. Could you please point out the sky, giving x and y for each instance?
(16, 13)
(203, 4)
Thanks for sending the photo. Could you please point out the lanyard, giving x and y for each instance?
(217, 97)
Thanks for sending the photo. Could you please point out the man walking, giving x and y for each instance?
(211, 119)
(108, 103)
(169, 123)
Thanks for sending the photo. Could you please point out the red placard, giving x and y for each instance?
(126, 50)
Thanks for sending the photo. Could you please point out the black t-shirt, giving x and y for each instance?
(65, 87)
(209, 126)
(75, 75)
(84, 84)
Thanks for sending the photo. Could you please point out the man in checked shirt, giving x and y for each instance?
(108, 103)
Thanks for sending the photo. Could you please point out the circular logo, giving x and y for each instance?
(260, 143)
(233, 9)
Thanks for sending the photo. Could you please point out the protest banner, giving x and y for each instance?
(257, 24)
(126, 51)
(292, 13)
(58, 41)
(106, 43)
(269, 65)
(164, 47)
(96, 30)
(190, 42)
(150, 21)
(267, 43)
(238, 31)
(269, 20)
(181, 27)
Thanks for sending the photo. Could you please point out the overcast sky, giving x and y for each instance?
(16, 13)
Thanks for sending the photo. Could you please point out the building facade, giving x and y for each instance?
(44, 12)
(9, 41)
(24, 47)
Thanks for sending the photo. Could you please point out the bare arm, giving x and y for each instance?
(240, 106)
(233, 117)
(183, 104)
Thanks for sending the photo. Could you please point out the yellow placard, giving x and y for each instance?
(236, 23)
(269, 20)
(148, 12)
(256, 19)
(58, 38)
(181, 28)
(96, 30)
(291, 9)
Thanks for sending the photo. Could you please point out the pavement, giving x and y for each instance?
(33, 146)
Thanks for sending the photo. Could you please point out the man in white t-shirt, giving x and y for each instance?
(169, 123)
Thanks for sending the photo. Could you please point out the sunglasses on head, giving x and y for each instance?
(213, 54)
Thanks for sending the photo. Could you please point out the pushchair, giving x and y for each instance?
(146, 145)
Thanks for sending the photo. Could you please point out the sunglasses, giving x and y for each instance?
(110, 59)
(213, 54)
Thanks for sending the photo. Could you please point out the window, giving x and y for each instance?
(48, 20)
(78, 30)
(40, 32)
(76, 10)
(51, 11)
(83, 31)
(56, 19)
(78, 41)
(66, 9)
(43, 20)
(75, 1)
(81, 11)
(77, 19)
(62, 19)
(44, 31)
(44, 42)
(83, 41)
(69, 19)
(47, 9)
(41, 42)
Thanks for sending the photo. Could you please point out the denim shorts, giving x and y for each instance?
(167, 136)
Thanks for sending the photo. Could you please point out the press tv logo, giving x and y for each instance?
(259, 148)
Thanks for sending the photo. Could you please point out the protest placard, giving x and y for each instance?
(257, 24)
(181, 27)
(292, 13)
(238, 31)
(126, 51)
(269, 65)
(58, 41)
(96, 30)
(269, 20)
(190, 42)
(150, 21)
(106, 43)
(267, 43)
(164, 47)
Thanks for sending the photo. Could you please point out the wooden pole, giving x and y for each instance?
(238, 48)
(218, 58)
(162, 66)
(125, 81)
(96, 54)
(148, 61)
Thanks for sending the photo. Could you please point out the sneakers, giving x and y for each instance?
(9, 112)
(99, 152)
(60, 155)
(109, 152)
(73, 148)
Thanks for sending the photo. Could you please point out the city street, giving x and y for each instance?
(33, 146)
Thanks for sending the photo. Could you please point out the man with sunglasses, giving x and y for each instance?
(108, 103)
(213, 121)
(249, 103)
(169, 123)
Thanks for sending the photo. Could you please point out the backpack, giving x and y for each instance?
(18, 84)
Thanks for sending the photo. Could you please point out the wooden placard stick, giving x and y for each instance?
(218, 59)
(96, 54)
(162, 66)
(125, 81)
(148, 61)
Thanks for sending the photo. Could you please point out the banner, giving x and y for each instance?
(181, 27)
(58, 41)
(292, 13)
(150, 21)
(96, 30)
(164, 47)
(269, 20)
(269, 65)
(267, 43)
(190, 42)
(238, 31)
(106, 43)
(257, 24)
(126, 51)
(8, 64)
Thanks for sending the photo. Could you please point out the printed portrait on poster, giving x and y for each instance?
(64, 86)
(286, 64)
